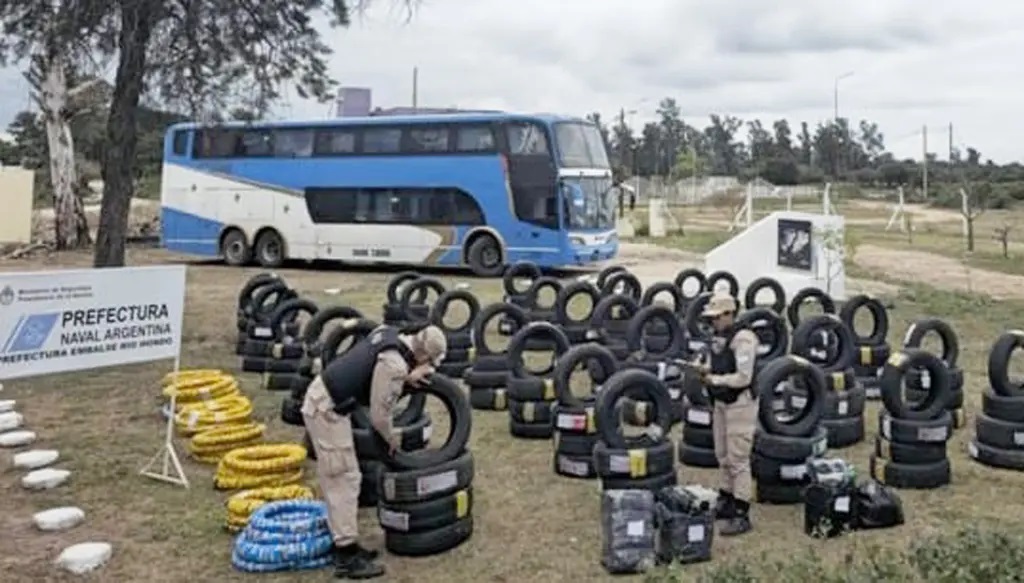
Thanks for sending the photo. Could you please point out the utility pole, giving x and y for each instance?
(924, 146)
(415, 87)
(951, 142)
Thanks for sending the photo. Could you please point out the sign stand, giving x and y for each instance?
(168, 456)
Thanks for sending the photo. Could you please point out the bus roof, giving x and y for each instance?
(386, 120)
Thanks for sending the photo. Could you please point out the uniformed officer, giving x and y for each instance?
(729, 379)
(370, 374)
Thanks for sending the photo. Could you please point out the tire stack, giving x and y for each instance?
(517, 281)
(773, 338)
(828, 342)
(575, 428)
(784, 443)
(414, 426)
(459, 336)
(313, 338)
(999, 429)
(392, 308)
(643, 462)
(280, 360)
(425, 499)
(872, 349)
(610, 321)
(258, 336)
(246, 312)
(531, 394)
(910, 450)
(487, 378)
(658, 337)
(659, 354)
(575, 325)
(918, 382)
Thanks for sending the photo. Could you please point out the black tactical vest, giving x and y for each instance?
(348, 377)
(724, 362)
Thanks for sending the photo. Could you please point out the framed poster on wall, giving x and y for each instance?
(794, 244)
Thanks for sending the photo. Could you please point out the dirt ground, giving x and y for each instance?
(531, 525)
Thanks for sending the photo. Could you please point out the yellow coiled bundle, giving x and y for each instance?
(199, 385)
(193, 418)
(260, 466)
(241, 505)
(209, 446)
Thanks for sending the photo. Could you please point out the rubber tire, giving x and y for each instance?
(475, 260)
(519, 270)
(243, 257)
(264, 241)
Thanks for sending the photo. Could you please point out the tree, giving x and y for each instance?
(689, 164)
(975, 199)
(1002, 234)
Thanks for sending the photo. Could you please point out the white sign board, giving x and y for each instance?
(62, 321)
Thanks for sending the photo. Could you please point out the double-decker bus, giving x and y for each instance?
(482, 190)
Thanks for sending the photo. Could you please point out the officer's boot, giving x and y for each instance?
(354, 562)
(725, 506)
(740, 522)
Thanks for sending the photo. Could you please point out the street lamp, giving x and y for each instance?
(835, 94)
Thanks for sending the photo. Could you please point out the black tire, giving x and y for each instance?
(783, 448)
(778, 305)
(879, 317)
(519, 270)
(287, 312)
(413, 433)
(602, 314)
(907, 453)
(605, 273)
(433, 542)
(510, 312)
(632, 285)
(1005, 408)
(533, 294)
(664, 287)
(913, 432)
(697, 457)
(766, 470)
(639, 385)
(698, 415)
(846, 352)
(574, 466)
(999, 434)
(266, 299)
(416, 292)
(773, 374)
(873, 356)
(844, 432)
(291, 412)
(314, 329)
(717, 276)
(484, 257)
(530, 430)
(809, 294)
(995, 457)
(269, 249)
(687, 274)
(440, 309)
(647, 462)
(999, 364)
(354, 329)
(488, 399)
(245, 295)
(396, 284)
(703, 437)
(565, 296)
(695, 327)
(425, 516)
(406, 485)
(234, 249)
(584, 354)
(673, 347)
(916, 476)
(767, 324)
(457, 406)
(652, 483)
(546, 331)
(891, 385)
(950, 343)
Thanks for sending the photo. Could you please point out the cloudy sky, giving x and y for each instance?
(914, 63)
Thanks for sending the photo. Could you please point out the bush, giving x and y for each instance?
(969, 556)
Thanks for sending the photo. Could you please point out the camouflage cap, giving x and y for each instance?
(720, 303)
(432, 342)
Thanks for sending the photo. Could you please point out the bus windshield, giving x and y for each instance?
(580, 145)
(593, 206)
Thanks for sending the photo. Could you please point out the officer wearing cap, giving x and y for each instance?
(370, 374)
(729, 378)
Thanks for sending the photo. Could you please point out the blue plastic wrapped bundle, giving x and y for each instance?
(287, 535)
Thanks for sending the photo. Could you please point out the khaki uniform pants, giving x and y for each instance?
(337, 468)
(733, 425)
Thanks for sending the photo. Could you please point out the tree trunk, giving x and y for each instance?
(118, 165)
(71, 228)
(970, 233)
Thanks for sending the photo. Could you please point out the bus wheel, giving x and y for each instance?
(484, 257)
(234, 249)
(269, 249)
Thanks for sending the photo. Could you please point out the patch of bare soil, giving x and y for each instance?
(922, 213)
(939, 271)
(144, 219)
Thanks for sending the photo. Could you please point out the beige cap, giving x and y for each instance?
(720, 303)
(432, 342)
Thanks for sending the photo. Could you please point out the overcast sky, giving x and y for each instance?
(914, 63)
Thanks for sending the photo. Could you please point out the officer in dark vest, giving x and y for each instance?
(370, 374)
(729, 378)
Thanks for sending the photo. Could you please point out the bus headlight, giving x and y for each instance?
(577, 241)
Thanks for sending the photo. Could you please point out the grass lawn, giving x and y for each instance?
(531, 525)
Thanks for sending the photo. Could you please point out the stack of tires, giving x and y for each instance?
(641, 462)
(773, 342)
(697, 445)
(531, 393)
(999, 428)
(575, 428)
(258, 335)
(425, 498)
(394, 313)
(246, 315)
(487, 378)
(828, 343)
(573, 321)
(517, 281)
(918, 382)
(280, 360)
(610, 322)
(659, 354)
(459, 336)
(872, 348)
(910, 451)
(784, 443)
(412, 423)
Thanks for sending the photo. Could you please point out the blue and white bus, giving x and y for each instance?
(482, 190)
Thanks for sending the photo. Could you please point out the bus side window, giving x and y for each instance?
(180, 142)
(335, 141)
(293, 143)
(475, 139)
(526, 139)
(255, 144)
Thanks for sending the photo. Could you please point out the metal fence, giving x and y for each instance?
(699, 190)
